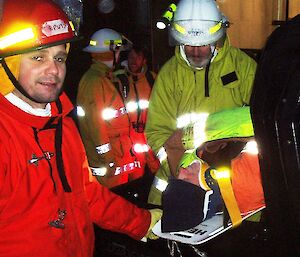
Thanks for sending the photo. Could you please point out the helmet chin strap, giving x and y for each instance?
(14, 81)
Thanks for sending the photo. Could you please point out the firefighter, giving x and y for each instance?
(205, 75)
(113, 114)
(49, 198)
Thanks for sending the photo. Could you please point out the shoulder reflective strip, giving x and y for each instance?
(162, 154)
(226, 190)
(98, 171)
(160, 184)
(215, 28)
(140, 148)
(179, 28)
(128, 167)
(80, 111)
(102, 149)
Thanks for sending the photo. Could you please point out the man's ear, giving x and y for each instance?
(215, 146)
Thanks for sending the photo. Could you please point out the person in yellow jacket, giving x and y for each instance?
(205, 75)
(116, 152)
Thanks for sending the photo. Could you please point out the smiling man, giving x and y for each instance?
(48, 198)
(42, 74)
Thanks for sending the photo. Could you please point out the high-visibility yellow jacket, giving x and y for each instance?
(179, 91)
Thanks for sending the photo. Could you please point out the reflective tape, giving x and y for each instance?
(160, 184)
(132, 106)
(110, 113)
(80, 111)
(144, 104)
(191, 118)
(251, 147)
(99, 171)
(128, 167)
(140, 148)
(162, 154)
(102, 149)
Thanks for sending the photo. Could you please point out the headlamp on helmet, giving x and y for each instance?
(167, 17)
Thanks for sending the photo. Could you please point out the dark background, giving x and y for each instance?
(135, 19)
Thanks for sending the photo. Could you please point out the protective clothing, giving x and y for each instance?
(113, 126)
(178, 101)
(197, 23)
(45, 212)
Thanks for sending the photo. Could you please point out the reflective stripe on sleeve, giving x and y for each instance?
(162, 154)
(102, 149)
(99, 171)
(160, 184)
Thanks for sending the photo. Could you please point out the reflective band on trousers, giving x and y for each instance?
(159, 184)
(102, 149)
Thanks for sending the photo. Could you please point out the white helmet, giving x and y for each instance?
(197, 23)
(105, 40)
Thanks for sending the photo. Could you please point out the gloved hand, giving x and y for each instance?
(155, 217)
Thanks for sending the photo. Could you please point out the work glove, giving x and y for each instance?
(155, 217)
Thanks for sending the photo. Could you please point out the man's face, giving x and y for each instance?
(42, 74)
(198, 56)
(136, 61)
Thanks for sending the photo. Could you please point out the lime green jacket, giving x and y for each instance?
(179, 90)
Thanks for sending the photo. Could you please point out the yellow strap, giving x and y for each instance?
(229, 198)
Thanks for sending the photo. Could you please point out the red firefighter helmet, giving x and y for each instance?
(32, 25)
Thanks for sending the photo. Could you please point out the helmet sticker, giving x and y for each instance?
(55, 27)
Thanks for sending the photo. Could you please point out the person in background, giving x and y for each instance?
(205, 75)
(112, 113)
(140, 81)
(49, 198)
